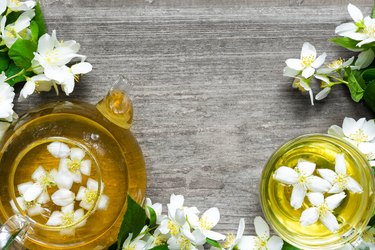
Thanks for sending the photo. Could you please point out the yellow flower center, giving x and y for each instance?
(307, 60)
(205, 224)
(359, 136)
(46, 181)
(229, 241)
(297, 85)
(336, 64)
(67, 219)
(370, 31)
(16, 2)
(341, 181)
(130, 247)
(90, 196)
(323, 209)
(160, 240)
(51, 56)
(261, 243)
(74, 166)
(173, 229)
(184, 243)
(10, 32)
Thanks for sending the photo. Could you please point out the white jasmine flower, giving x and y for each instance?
(18, 29)
(156, 239)
(336, 65)
(350, 29)
(58, 149)
(304, 86)
(51, 55)
(63, 197)
(6, 99)
(75, 165)
(3, 7)
(37, 84)
(302, 179)
(186, 239)
(19, 5)
(308, 62)
(322, 210)
(368, 149)
(66, 218)
(235, 241)
(136, 243)
(31, 191)
(157, 207)
(67, 75)
(208, 220)
(339, 179)
(32, 208)
(355, 131)
(88, 195)
(262, 241)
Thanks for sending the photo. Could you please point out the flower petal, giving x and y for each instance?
(81, 68)
(275, 243)
(309, 216)
(369, 129)
(323, 93)
(355, 13)
(55, 219)
(43, 198)
(308, 50)
(290, 72)
(199, 238)
(77, 154)
(33, 192)
(317, 184)
(294, 64)
(315, 198)
(81, 193)
(336, 188)
(286, 175)
(24, 186)
(354, 35)
(85, 205)
(327, 174)
(212, 216)
(213, 235)
(68, 209)
(298, 195)
(366, 41)
(27, 90)
(306, 168)
(64, 180)
(353, 185)
(248, 242)
(38, 173)
(335, 200)
(77, 177)
(86, 167)
(365, 58)
(63, 197)
(308, 72)
(103, 202)
(35, 210)
(349, 126)
(58, 149)
(345, 27)
(336, 131)
(240, 230)
(329, 221)
(340, 166)
(261, 228)
(78, 214)
(319, 61)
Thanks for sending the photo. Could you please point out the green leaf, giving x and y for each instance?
(371, 223)
(369, 95)
(162, 247)
(113, 247)
(13, 70)
(287, 246)
(213, 243)
(368, 74)
(350, 44)
(354, 85)
(11, 239)
(133, 222)
(153, 216)
(22, 52)
(4, 61)
(12, 17)
(34, 28)
(39, 19)
(373, 11)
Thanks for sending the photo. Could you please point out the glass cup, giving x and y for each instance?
(354, 212)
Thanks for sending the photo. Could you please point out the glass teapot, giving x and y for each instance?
(65, 171)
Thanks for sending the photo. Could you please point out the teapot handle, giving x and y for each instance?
(13, 232)
(117, 106)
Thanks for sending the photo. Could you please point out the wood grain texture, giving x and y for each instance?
(211, 104)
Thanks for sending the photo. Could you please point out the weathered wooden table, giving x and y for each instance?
(211, 104)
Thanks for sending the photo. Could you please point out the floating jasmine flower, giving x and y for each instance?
(302, 179)
(19, 5)
(58, 149)
(36, 83)
(186, 239)
(339, 179)
(38, 190)
(157, 207)
(308, 62)
(322, 210)
(263, 240)
(6, 99)
(87, 196)
(63, 197)
(208, 220)
(136, 243)
(66, 218)
(32, 208)
(17, 30)
(75, 165)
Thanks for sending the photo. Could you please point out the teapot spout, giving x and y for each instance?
(117, 106)
(13, 232)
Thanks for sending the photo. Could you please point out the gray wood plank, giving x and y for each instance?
(211, 104)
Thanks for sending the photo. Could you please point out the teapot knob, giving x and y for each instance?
(117, 106)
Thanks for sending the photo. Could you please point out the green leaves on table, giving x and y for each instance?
(288, 246)
(351, 44)
(22, 52)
